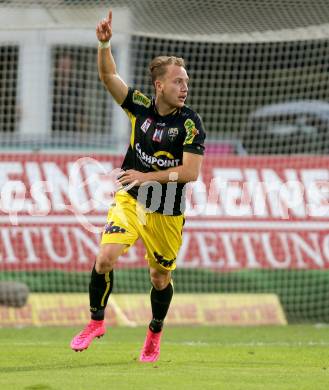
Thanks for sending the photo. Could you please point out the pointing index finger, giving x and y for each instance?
(109, 18)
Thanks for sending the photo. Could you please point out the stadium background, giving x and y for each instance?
(241, 56)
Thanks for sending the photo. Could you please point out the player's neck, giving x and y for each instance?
(163, 108)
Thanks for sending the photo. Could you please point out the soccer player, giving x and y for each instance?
(165, 152)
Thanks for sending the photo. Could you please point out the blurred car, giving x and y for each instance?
(294, 127)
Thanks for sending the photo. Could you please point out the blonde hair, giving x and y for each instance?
(158, 66)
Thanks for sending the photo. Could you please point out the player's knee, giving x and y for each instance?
(160, 280)
(106, 259)
(104, 264)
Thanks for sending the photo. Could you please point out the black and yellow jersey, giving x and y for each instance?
(156, 143)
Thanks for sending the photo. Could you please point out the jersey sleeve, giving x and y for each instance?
(195, 135)
(135, 102)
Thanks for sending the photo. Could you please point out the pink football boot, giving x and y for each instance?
(151, 349)
(82, 340)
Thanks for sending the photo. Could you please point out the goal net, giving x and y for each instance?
(257, 218)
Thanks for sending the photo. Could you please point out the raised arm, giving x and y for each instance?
(106, 65)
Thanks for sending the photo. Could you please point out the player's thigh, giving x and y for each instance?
(162, 237)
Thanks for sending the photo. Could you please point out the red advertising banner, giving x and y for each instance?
(243, 212)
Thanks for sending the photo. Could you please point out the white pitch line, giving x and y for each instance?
(254, 344)
(201, 344)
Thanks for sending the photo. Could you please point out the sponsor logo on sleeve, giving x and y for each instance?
(141, 99)
(191, 131)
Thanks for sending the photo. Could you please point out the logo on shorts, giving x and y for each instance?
(164, 262)
(111, 228)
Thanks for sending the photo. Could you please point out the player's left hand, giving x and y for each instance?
(132, 177)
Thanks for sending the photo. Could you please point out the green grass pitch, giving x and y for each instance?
(295, 357)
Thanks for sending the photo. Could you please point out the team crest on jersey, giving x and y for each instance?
(145, 126)
(157, 135)
(172, 133)
(191, 131)
(141, 99)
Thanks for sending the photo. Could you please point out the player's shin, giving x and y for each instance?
(100, 288)
(160, 302)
